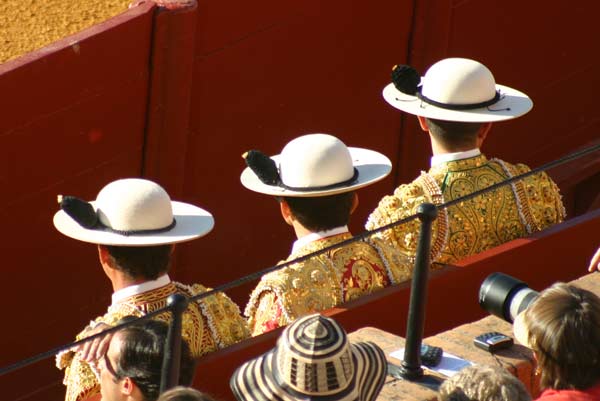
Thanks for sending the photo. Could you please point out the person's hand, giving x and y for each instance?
(95, 349)
(595, 263)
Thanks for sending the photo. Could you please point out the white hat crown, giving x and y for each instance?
(315, 160)
(134, 204)
(458, 81)
(131, 212)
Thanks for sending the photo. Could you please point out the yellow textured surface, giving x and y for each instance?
(26, 25)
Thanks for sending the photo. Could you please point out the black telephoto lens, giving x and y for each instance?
(505, 296)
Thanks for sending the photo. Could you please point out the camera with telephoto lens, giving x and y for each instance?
(505, 296)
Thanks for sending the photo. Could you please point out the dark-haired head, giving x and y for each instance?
(323, 212)
(135, 355)
(454, 135)
(139, 262)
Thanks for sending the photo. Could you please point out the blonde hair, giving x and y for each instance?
(483, 383)
(184, 394)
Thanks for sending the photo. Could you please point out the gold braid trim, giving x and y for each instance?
(525, 214)
(437, 198)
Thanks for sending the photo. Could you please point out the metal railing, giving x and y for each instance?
(411, 366)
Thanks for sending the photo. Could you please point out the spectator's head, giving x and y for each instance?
(562, 327)
(483, 383)
(313, 360)
(184, 394)
(131, 368)
(315, 178)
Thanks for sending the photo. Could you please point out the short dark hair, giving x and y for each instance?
(322, 213)
(184, 394)
(148, 262)
(564, 332)
(453, 134)
(141, 357)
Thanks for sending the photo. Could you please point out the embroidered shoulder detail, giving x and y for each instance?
(518, 190)
(440, 240)
(302, 288)
(399, 267)
(222, 315)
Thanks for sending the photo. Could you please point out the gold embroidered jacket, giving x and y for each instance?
(209, 324)
(323, 281)
(470, 227)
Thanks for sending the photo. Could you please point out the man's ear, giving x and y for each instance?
(286, 212)
(104, 256)
(483, 133)
(423, 123)
(127, 386)
(354, 203)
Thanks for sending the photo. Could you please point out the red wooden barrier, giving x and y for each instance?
(73, 117)
(557, 254)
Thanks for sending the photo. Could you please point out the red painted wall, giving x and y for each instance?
(73, 118)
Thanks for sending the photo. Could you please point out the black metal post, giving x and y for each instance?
(170, 367)
(411, 366)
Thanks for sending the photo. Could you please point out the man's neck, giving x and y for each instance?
(300, 230)
(448, 157)
(139, 287)
(438, 149)
(314, 236)
(121, 280)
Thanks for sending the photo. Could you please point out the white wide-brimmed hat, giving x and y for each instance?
(313, 360)
(455, 89)
(132, 212)
(314, 165)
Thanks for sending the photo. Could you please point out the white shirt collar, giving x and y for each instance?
(307, 239)
(136, 289)
(448, 157)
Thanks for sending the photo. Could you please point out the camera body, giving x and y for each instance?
(505, 296)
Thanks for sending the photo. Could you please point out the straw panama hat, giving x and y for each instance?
(133, 212)
(318, 165)
(313, 360)
(460, 89)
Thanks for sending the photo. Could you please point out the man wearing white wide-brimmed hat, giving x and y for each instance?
(456, 103)
(314, 179)
(135, 225)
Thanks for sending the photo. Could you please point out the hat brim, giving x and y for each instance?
(512, 104)
(520, 330)
(255, 381)
(372, 166)
(191, 222)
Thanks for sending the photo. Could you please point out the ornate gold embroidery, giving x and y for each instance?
(321, 282)
(476, 224)
(212, 323)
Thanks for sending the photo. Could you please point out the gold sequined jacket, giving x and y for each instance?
(209, 324)
(470, 227)
(323, 281)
